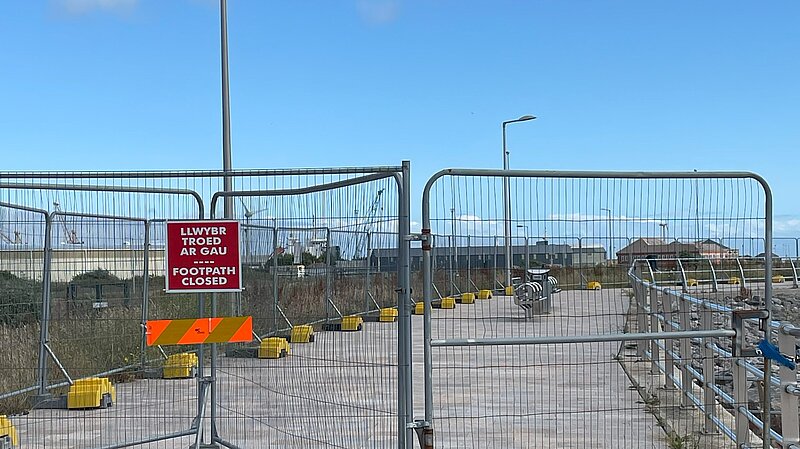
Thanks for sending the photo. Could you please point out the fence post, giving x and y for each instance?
(44, 330)
(686, 354)
(669, 344)
(470, 285)
(641, 317)
(740, 402)
(794, 273)
(275, 277)
(790, 422)
(367, 258)
(581, 281)
(714, 284)
(654, 350)
(328, 276)
(494, 275)
(684, 281)
(741, 273)
(405, 375)
(709, 401)
(145, 293)
(450, 288)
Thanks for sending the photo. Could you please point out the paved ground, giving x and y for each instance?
(341, 390)
(555, 396)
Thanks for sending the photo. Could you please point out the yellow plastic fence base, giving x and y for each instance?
(180, 366)
(691, 282)
(778, 279)
(448, 302)
(733, 280)
(273, 348)
(92, 392)
(388, 315)
(594, 285)
(352, 323)
(302, 333)
(467, 298)
(7, 429)
(509, 291)
(419, 308)
(485, 294)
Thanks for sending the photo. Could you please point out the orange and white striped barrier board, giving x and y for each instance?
(237, 329)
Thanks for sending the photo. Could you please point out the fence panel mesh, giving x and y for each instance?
(582, 233)
(307, 258)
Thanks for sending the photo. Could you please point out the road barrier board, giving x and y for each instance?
(238, 329)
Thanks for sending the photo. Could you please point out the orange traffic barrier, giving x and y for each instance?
(238, 329)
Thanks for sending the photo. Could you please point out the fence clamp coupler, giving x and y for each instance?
(424, 431)
(425, 236)
(739, 342)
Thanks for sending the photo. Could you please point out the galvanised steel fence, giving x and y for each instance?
(723, 378)
(550, 362)
(82, 264)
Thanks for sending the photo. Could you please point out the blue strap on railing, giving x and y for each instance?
(770, 351)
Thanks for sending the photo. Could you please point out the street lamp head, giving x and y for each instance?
(523, 118)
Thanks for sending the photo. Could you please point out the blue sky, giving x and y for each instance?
(623, 85)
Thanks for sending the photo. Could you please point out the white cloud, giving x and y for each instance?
(81, 7)
(787, 225)
(378, 12)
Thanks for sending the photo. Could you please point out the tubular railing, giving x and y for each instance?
(743, 271)
(670, 309)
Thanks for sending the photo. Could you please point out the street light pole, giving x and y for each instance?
(610, 243)
(226, 110)
(507, 197)
(527, 248)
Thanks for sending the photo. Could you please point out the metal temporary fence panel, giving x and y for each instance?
(341, 389)
(549, 365)
(21, 289)
(92, 270)
(96, 290)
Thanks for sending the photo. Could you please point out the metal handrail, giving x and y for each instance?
(675, 358)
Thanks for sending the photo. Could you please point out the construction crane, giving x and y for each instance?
(70, 236)
(361, 246)
(17, 238)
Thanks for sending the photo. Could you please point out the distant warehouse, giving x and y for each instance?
(491, 256)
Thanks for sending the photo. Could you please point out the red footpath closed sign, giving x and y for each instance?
(203, 256)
